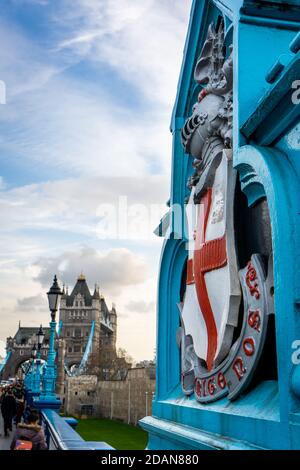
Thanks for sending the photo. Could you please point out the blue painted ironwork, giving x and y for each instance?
(3, 364)
(60, 325)
(278, 68)
(61, 436)
(73, 422)
(266, 126)
(295, 44)
(29, 376)
(37, 374)
(50, 374)
(48, 398)
(85, 356)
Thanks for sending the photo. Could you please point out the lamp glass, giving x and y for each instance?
(40, 336)
(33, 352)
(54, 296)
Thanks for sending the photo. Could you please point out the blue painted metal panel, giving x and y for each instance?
(71, 422)
(85, 356)
(88, 349)
(3, 364)
(61, 436)
(268, 416)
(60, 328)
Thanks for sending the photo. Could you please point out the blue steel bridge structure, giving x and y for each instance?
(19, 355)
(60, 432)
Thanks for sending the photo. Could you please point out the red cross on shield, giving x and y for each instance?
(208, 256)
(211, 304)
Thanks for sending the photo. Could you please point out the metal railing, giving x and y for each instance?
(61, 436)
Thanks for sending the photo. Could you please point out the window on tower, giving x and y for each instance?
(78, 333)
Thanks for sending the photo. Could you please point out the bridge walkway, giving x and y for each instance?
(4, 441)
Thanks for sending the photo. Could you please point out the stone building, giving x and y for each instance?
(126, 400)
(88, 331)
(85, 342)
(92, 380)
(106, 385)
(19, 349)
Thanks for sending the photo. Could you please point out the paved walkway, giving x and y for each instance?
(4, 441)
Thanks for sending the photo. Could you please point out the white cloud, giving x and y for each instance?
(72, 131)
(73, 205)
(30, 2)
(29, 260)
(139, 306)
(2, 349)
(143, 41)
(36, 303)
(97, 143)
(2, 183)
(25, 67)
(72, 126)
(123, 276)
(114, 270)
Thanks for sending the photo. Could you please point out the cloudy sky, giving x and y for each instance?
(85, 153)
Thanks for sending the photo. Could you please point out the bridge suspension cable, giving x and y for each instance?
(85, 356)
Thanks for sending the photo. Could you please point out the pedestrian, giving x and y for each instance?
(18, 392)
(30, 435)
(8, 410)
(20, 410)
(27, 413)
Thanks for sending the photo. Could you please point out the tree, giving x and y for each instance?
(122, 353)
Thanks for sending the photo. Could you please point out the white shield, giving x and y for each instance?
(212, 298)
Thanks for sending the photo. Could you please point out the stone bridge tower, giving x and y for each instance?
(86, 338)
(19, 349)
(80, 313)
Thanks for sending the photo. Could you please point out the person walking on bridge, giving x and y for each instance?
(8, 410)
(30, 432)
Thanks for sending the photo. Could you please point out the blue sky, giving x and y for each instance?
(90, 89)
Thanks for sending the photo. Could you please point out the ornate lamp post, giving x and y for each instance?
(48, 396)
(37, 376)
(40, 336)
(30, 374)
(34, 352)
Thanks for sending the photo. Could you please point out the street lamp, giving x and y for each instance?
(37, 378)
(48, 396)
(33, 352)
(40, 337)
(30, 372)
(54, 296)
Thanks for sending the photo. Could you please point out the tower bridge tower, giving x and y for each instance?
(80, 313)
(19, 350)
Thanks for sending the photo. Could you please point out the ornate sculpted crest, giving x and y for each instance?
(224, 312)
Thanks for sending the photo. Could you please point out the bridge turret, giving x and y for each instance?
(114, 322)
(64, 297)
(96, 298)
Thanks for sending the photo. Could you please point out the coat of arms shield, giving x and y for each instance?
(212, 299)
(221, 337)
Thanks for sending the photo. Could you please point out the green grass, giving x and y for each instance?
(121, 436)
